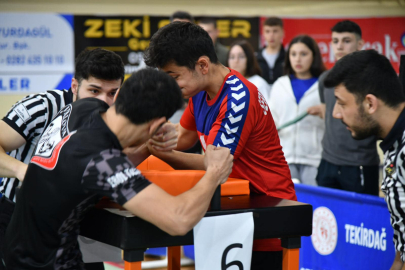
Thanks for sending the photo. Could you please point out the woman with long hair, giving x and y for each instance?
(242, 59)
(291, 96)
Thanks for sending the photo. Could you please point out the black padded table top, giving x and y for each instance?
(273, 218)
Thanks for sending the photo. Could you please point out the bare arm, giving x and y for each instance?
(187, 138)
(10, 140)
(178, 215)
(180, 160)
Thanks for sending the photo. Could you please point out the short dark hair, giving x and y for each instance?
(208, 21)
(184, 15)
(179, 42)
(273, 21)
(347, 26)
(317, 66)
(99, 63)
(367, 72)
(148, 94)
(252, 66)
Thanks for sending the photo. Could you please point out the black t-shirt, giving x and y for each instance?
(77, 161)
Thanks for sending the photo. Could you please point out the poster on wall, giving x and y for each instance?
(385, 35)
(36, 52)
(129, 36)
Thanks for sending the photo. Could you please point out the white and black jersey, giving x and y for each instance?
(29, 117)
(78, 160)
(393, 184)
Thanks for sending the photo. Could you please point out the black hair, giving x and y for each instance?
(252, 66)
(148, 94)
(182, 43)
(184, 15)
(317, 66)
(99, 63)
(273, 21)
(347, 26)
(367, 72)
(208, 21)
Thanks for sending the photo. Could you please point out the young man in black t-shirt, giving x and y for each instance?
(89, 137)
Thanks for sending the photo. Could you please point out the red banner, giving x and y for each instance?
(385, 35)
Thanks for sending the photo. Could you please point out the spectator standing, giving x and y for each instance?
(271, 58)
(346, 164)
(291, 96)
(242, 59)
(181, 16)
(210, 25)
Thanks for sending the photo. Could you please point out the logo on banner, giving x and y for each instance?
(324, 231)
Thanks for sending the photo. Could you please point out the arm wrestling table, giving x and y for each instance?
(273, 218)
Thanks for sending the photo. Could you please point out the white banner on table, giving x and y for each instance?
(94, 251)
(224, 242)
(36, 43)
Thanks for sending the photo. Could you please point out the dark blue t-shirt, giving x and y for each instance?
(300, 86)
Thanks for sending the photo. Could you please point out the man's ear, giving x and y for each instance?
(156, 124)
(116, 95)
(371, 103)
(360, 44)
(75, 87)
(202, 64)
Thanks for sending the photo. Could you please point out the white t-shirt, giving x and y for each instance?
(261, 85)
(270, 58)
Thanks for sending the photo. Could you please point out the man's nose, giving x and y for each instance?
(336, 112)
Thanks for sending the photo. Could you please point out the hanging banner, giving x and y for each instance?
(36, 43)
(385, 35)
(36, 52)
(224, 241)
(231, 29)
(20, 84)
(129, 36)
(350, 231)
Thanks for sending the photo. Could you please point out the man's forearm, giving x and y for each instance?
(181, 161)
(137, 155)
(11, 167)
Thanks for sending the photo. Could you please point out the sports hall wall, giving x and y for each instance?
(252, 11)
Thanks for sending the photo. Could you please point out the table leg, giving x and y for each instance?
(132, 265)
(173, 258)
(291, 259)
(133, 259)
(291, 252)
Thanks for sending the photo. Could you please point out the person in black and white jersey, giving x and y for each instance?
(370, 101)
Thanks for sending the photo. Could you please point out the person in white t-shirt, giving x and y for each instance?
(241, 58)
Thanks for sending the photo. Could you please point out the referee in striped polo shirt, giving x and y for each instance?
(99, 73)
(370, 101)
